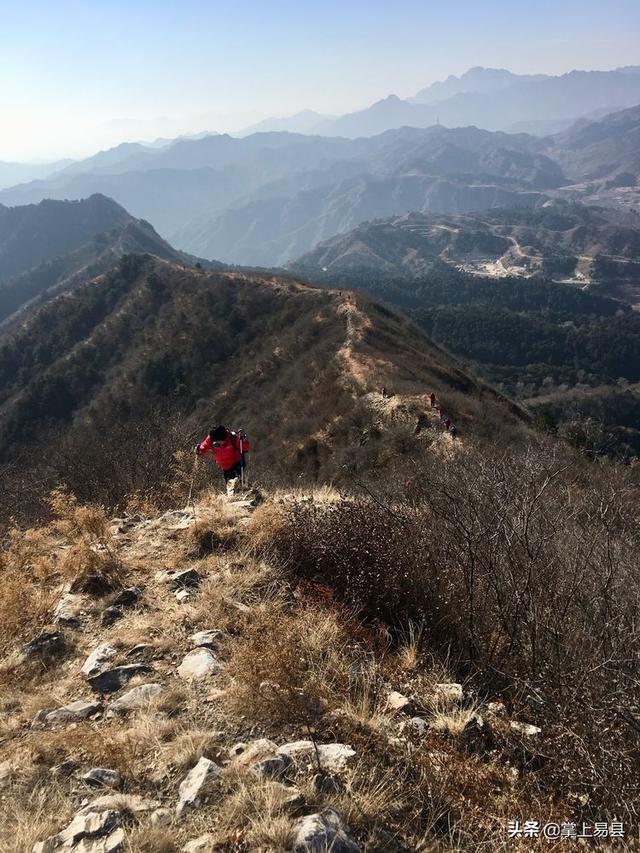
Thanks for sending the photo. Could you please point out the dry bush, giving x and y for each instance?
(29, 813)
(255, 810)
(215, 528)
(88, 558)
(228, 594)
(289, 664)
(522, 567)
(27, 566)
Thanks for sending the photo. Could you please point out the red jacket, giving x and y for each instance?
(227, 454)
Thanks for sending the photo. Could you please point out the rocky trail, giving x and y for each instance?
(126, 725)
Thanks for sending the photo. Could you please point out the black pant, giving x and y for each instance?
(232, 473)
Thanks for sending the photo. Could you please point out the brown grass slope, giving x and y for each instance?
(296, 663)
(151, 355)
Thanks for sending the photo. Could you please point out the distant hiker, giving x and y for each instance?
(447, 423)
(453, 431)
(385, 393)
(432, 400)
(227, 448)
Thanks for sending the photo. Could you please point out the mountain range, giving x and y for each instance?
(570, 242)
(269, 197)
(54, 245)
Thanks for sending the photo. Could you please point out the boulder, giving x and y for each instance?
(202, 844)
(133, 803)
(126, 597)
(397, 702)
(103, 778)
(325, 830)
(47, 644)
(525, 729)
(91, 832)
(97, 659)
(198, 784)
(110, 680)
(206, 639)
(333, 756)
(70, 609)
(199, 664)
(71, 713)
(138, 698)
(179, 579)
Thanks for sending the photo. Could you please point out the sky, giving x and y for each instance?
(77, 76)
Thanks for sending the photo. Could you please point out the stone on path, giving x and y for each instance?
(103, 777)
(333, 756)
(93, 832)
(197, 785)
(323, 831)
(110, 680)
(199, 664)
(97, 659)
(136, 699)
(70, 713)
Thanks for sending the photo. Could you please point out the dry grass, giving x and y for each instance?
(216, 527)
(289, 664)
(35, 811)
(258, 810)
(26, 595)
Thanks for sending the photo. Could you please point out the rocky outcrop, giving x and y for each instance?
(198, 784)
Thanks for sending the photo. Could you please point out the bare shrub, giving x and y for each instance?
(522, 567)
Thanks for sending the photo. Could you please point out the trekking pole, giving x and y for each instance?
(241, 460)
(189, 501)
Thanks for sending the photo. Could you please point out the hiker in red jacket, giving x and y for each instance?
(227, 448)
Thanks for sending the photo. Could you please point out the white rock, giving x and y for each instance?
(247, 754)
(70, 608)
(91, 832)
(397, 702)
(524, 728)
(318, 833)
(197, 784)
(98, 657)
(199, 664)
(207, 639)
(103, 777)
(109, 802)
(202, 844)
(135, 699)
(333, 756)
(71, 713)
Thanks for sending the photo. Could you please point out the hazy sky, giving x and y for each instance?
(79, 75)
